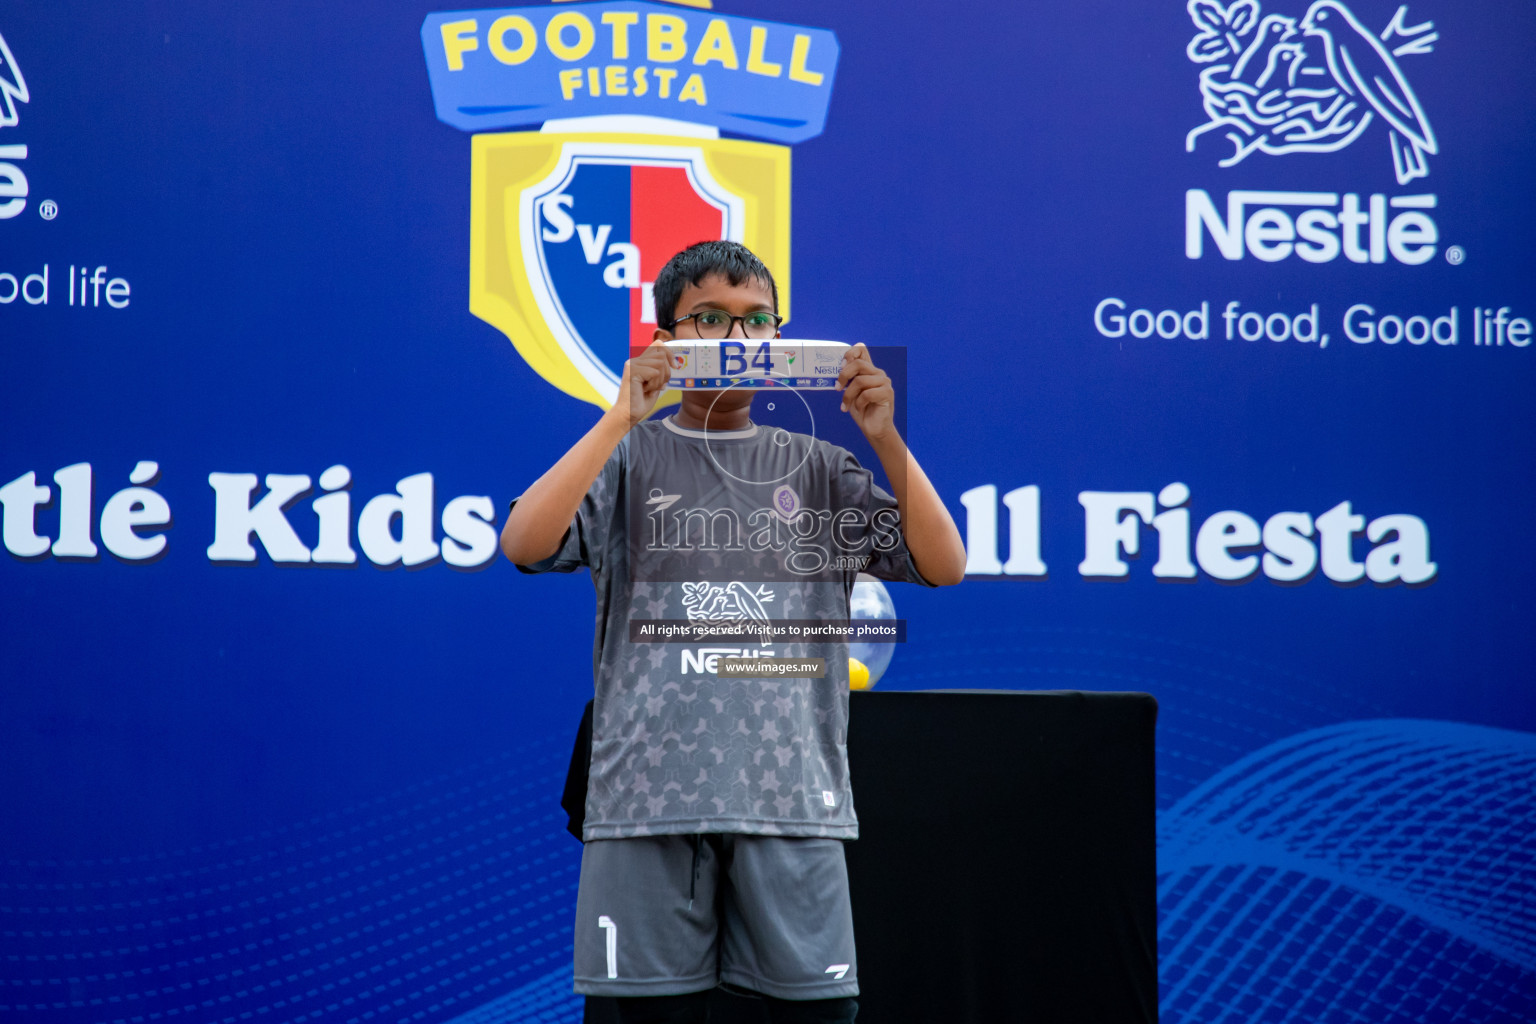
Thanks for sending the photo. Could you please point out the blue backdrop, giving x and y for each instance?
(237, 241)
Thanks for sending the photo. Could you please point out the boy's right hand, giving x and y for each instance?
(645, 378)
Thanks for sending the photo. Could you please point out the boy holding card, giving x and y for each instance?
(717, 805)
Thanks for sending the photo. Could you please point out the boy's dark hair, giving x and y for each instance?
(731, 260)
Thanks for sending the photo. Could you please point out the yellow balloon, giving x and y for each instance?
(858, 675)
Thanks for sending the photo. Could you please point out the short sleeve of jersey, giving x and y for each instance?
(586, 541)
(857, 489)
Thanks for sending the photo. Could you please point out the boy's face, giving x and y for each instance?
(716, 292)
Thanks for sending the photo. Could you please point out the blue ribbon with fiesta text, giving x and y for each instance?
(520, 66)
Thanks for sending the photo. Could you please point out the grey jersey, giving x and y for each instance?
(753, 524)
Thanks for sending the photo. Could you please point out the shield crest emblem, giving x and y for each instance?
(568, 232)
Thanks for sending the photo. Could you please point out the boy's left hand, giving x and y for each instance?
(868, 395)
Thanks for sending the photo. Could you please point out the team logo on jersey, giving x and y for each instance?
(786, 502)
(1276, 84)
(617, 163)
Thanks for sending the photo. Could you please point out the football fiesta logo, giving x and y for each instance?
(615, 161)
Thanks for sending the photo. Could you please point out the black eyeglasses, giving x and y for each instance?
(717, 323)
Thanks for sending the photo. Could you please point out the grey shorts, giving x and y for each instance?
(767, 913)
